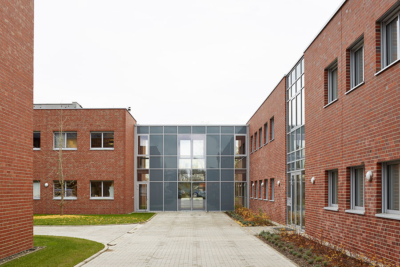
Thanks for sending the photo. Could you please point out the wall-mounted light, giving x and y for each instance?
(46, 185)
(252, 184)
(369, 176)
(313, 180)
(279, 183)
(262, 184)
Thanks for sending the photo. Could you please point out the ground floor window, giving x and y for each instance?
(102, 189)
(391, 188)
(357, 188)
(36, 189)
(272, 189)
(333, 188)
(70, 190)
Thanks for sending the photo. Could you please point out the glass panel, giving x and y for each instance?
(359, 187)
(143, 196)
(213, 195)
(108, 139)
(184, 196)
(156, 175)
(199, 196)
(334, 84)
(156, 129)
(240, 129)
(143, 144)
(143, 162)
(36, 140)
(198, 175)
(170, 162)
(358, 66)
(156, 144)
(227, 144)
(184, 146)
(303, 114)
(227, 198)
(298, 138)
(391, 41)
(303, 200)
(185, 163)
(334, 186)
(240, 175)
(170, 129)
(213, 175)
(298, 109)
(303, 138)
(108, 189)
(170, 196)
(298, 201)
(213, 144)
(272, 189)
(393, 187)
(156, 196)
(240, 194)
(95, 189)
(199, 145)
(198, 164)
(71, 189)
(156, 162)
(227, 175)
(184, 130)
(143, 175)
(184, 175)
(143, 129)
(293, 199)
(294, 112)
(272, 129)
(289, 116)
(227, 162)
(240, 145)
(36, 189)
(95, 140)
(59, 140)
(72, 141)
(199, 129)
(212, 129)
(170, 145)
(171, 175)
(213, 162)
(227, 129)
(240, 163)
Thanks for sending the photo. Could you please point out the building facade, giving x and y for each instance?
(16, 98)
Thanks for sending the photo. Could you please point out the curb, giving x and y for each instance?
(93, 256)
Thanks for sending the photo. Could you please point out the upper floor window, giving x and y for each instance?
(332, 82)
(256, 141)
(143, 145)
(391, 188)
(65, 140)
(390, 40)
(266, 132)
(36, 140)
(260, 143)
(357, 64)
(102, 140)
(271, 123)
(240, 145)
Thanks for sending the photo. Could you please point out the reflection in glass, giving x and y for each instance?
(240, 163)
(143, 162)
(156, 144)
(240, 175)
(185, 163)
(143, 175)
(241, 194)
(184, 196)
(142, 196)
(199, 196)
(143, 141)
(303, 201)
(184, 175)
(393, 187)
(198, 163)
(199, 145)
(198, 175)
(359, 187)
(227, 145)
(184, 145)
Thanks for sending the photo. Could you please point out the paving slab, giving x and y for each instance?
(189, 239)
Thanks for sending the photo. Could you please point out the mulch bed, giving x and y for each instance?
(243, 222)
(20, 254)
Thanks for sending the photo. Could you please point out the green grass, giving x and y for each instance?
(90, 219)
(59, 251)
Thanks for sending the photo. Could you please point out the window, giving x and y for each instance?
(391, 188)
(101, 189)
(261, 190)
(36, 140)
(266, 132)
(332, 82)
(36, 189)
(251, 149)
(266, 189)
(70, 190)
(255, 141)
(65, 140)
(390, 40)
(357, 64)
(333, 188)
(271, 123)
(357, 188)
(252, 190)
(143, 145)
(272, 189)
(102, 140)
(240, 145)
(255, 187)
(260, 143)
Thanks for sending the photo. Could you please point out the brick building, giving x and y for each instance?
(98, 155)
(16, 97)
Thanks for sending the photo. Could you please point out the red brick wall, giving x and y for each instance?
(361, 128)
(83, 164)
(16, 97)
(269, 161)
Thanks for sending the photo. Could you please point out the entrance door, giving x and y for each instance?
(199, 196)
(295, 200)
(191, 196)
(184, 196)
(143, 197)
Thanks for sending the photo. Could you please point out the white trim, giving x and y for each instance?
(388, 216)
(332, 208)
(36, 149)
(385, 68)
(330, 188)
(65, 140)
(359, 212)
(327, 105)
(354, 88)
(102, 141)
(65, 198)
(359, 44)
(352, 189)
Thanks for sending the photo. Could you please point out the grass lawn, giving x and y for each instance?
(59, 251)
(90, 219)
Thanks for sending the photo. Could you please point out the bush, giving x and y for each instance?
(310, 261)
(325, 263)
(308, 253)
(318, 259)
(305, 257)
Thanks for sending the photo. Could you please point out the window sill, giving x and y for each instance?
(101, 148)
(272, 200)
(65, 149)
(266, 199)
(36, 198)
(36, 149)
(385, 68)
(65, 198)
(331, 208)
(271, 140)
(101, 198)
(260, 199)
(327, 105)
(359, 212)
(388, 216)
(354, 88)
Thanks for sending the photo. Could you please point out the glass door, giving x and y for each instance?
(295, 200)
(143, 197)
(184, 196)
(199, 196)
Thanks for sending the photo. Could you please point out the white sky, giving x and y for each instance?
(175, 61)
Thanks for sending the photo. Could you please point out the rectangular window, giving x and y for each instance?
(143, 145)
(102, 189)
(260, 196)
(391, 188)
(266, 189)
(271, 123)
(357, 64)
(256, 189)
(266, 132)
(333, 188)
(260, 143)
(36, 140)
(256, 141)
(252, 190)
(357, 188)
(65, 140)
(390, 40)
(36, 189)
(240, 145)
(251, 149)
(102, 140)
(332, 82)
(70, 189)
(272, 189)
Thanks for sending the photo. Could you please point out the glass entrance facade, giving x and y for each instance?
(199, 168)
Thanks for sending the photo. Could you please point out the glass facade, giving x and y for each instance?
(191, 167)
(295, 146)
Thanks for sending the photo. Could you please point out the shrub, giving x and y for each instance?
(318, 259)
(291, 251)
(310, 261)
(300, 249)
(277, 237)
(298, 255)
(305, 257)
(325, 263)
(308, 253)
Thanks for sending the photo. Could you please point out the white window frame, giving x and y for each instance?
(266, 133)
(256, 188)
(102, 188)
(358, 45)
(272, 189)
(65, 141)
(252, 190)
(38, 148)
(385, 188)
(393, 15)
(65, 190)
(36, 182)
(256, 140)
(331, 68)
(251, 141)
(266, 189)
(102, 138)
(352, 188)
(260, 133)
(330, 187)
(272, 130)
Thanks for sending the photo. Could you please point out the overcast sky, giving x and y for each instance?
(175, 61)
